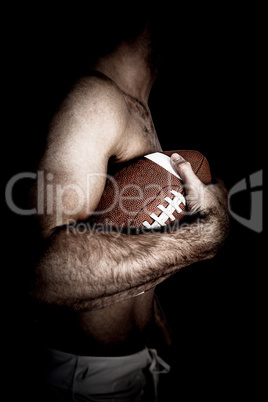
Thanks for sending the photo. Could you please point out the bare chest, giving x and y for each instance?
(140, 136)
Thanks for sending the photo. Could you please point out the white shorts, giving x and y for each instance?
(129, 378)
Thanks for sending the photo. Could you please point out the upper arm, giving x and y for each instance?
(85, 132)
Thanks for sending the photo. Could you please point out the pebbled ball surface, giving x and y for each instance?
(142, 193)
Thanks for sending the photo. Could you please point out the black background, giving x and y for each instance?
(208, 97)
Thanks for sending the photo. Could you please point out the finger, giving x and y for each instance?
(184, 169)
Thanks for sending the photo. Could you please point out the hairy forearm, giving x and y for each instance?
(96, 268)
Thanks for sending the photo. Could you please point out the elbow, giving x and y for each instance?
(49, 284)
(44, 291)
(52, 286)
(50, 295)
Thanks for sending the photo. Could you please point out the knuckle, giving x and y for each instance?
(185, 166)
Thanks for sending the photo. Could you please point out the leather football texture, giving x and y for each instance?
(147, 193)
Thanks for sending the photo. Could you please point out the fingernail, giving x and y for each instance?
(175, 157)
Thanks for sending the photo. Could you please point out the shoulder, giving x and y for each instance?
(93, 114)
(83, 135)
(99, 91)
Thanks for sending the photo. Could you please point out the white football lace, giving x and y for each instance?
(167, 212)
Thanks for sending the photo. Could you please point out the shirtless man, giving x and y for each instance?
(96, 323)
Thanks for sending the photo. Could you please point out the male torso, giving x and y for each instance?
(121, 328)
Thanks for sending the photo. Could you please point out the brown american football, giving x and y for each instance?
(147, 193)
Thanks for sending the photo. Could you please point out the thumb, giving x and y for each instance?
(184, 169)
